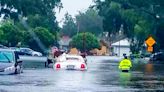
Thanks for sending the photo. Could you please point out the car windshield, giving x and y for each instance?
(26, 50)
(6, 56)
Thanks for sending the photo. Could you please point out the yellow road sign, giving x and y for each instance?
(150, 49)
(150, 41)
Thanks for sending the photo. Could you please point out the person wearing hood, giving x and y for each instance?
(125, 64)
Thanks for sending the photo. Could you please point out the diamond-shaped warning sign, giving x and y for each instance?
(150, 41)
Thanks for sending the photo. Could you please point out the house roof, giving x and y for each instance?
(123, 42)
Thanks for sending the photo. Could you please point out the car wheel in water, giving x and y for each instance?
(18, 69)
(35, 55)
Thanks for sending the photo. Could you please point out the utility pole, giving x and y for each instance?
(78, 28)
(119, 49)
(84, 38)
(120, 33)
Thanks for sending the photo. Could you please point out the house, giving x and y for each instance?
(102, 51)
(74, 51)
(64, 42)
(121, 47)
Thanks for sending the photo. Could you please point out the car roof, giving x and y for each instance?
(24, 48)
(70, 56)
(6, 50)
(73, 56)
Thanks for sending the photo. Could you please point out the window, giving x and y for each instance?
(71, 58)
(6, 56)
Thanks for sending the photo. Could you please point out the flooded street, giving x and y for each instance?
(102, 76)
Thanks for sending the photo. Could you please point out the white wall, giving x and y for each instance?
(120, 51)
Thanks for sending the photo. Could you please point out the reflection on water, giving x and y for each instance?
(148, 78)
(156, 69)
(124, 78)
(149, 68)
(101, 76)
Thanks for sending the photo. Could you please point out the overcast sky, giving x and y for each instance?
(72, 7)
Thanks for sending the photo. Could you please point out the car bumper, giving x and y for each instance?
(65, 68)
(7, 72)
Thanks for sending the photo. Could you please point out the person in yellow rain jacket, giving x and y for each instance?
(125, 64)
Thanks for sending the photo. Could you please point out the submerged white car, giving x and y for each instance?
(70, 62)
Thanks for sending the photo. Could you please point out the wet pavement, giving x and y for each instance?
(102, 76)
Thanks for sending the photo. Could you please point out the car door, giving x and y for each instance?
(4, 62)
(5, 65)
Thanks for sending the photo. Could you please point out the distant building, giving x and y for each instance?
(121, 47)
(64, 42)
(102, 51)
(74, 51)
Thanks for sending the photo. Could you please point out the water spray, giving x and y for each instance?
(33, 35)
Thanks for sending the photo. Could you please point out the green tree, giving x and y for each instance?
(69, 27)
(46, 38)
(10, 35)
(33, 10)
(139, 18)
(85, 41)
(89, 21)
(160, 35)
(110, 12)
(38, 13)
(150, 13)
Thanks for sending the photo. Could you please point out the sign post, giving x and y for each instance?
(150, 42)
(150, 49)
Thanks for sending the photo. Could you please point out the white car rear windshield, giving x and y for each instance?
(70, 58)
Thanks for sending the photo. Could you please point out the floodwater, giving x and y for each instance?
(102, 76)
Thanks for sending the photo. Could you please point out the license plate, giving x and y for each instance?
(70, 66)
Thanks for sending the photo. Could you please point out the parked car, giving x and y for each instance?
(157, 57)
(70, 62)
(20, 52)
(31, 52)
(10, 62)
(2, 46)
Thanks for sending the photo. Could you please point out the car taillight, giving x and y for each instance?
(58, 66)
(82, 66)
